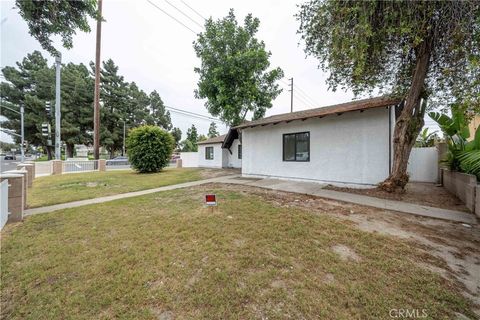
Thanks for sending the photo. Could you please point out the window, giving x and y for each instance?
(239, 151)
(209, 153)
(296, 146)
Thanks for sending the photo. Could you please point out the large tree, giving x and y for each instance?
(417, 50)
(177, 136)
(234, 76)
(60, 17)
(158, 115)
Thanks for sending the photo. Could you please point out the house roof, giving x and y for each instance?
(218, 139)
(383, 101)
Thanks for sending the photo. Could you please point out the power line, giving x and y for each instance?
(172, 17)
(305, 94)
(193, 10)
(198, 115)
(184, 14)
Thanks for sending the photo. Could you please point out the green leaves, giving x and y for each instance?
(149, 148)
(234, 75)
(61, 17)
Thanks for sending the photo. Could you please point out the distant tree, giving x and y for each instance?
(158, 115)
(177, 136)
(212, 130)
(426, 139)
(149, 148)
(416, 50)
(190, 144)
(202, 137)
(46, 19)
(233, 72)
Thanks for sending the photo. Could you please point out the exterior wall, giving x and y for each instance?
(423, 165)
(189, 159)
(477, 201)
(233, 161)
(352, 148)
(217, 161)
(462, 185)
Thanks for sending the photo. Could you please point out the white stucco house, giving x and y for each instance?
(224, 151)
(345, 144)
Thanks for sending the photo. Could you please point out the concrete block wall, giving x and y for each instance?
(463, 185)
(477, 201)
(16, 195)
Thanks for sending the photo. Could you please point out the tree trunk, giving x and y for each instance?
(410, 122)
(49, 153)
(69, 150)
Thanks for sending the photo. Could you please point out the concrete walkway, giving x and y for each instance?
(80, 203)
(316, 189)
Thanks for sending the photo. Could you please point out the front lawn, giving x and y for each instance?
(165, 256)
(79, 186)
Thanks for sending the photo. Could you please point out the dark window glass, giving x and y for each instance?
(209, 153)
(296, 146)
(239, 151)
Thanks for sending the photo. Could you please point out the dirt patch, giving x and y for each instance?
(208, 173)
(427, 194)
(455, 248)
(345, 253)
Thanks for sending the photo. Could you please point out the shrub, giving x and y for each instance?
(149, 148)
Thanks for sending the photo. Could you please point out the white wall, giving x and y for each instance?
(352, 148)
(189, 159)
(217, 155)
(233, 161)
(423, 165)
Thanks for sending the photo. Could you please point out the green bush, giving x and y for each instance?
(149, 148)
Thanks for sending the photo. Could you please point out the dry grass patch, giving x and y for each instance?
(166, 256)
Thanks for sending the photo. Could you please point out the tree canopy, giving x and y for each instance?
(234, 76)
(418, 50)
(31, 83)
(61, 17)
(212, 130)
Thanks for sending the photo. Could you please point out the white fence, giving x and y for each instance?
(423, 165)
(79, 165)
(3, 203)
(189, 159)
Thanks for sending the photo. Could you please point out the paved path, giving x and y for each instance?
(80, 203)
(316, 189)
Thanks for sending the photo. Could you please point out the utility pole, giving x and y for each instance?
(96, 98)
(291, 94)
(58, 114)
(22, 148)
(123, 149)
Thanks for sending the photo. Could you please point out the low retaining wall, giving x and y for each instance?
(464, 186)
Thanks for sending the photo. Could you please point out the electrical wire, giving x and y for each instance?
(193, 10)
(172, 17)
(184, 14)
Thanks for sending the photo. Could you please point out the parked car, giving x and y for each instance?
(118, 161)
(10, 157)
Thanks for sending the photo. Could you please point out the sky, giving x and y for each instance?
(156, 52)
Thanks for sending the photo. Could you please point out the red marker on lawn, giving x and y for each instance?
(211, 200)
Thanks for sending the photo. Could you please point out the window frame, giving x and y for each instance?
(207, 153)
(295, 158)
(239, 152)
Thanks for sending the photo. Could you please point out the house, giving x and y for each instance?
(224, 151)
(344, 144)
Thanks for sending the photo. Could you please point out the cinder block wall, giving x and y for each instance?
(463, 185)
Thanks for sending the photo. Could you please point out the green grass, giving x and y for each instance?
(137, 258)
(79, 186)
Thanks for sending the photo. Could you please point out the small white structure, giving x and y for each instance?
(344, 144)
(224, 151)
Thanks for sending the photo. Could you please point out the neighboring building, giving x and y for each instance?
(344, 144)
(473, 126)
(223, 151)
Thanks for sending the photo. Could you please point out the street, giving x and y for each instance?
(6, 165)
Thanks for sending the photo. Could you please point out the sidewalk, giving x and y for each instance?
(316, 189)
(80, 203)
